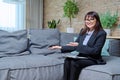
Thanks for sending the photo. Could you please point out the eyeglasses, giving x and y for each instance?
(91, 20)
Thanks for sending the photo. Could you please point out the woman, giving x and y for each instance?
(89, 44)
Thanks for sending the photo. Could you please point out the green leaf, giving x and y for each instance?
(53, 23)
(108, 20)
(70, 9)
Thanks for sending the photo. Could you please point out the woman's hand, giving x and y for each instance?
(55, 47)
(72, 44)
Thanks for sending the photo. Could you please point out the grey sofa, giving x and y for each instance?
(25, 55)
(110, 53)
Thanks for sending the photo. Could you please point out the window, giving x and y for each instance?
(12, 15)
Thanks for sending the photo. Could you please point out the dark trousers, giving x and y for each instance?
(73, 67)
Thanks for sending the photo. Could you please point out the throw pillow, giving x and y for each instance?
(114, 48)
(13, 43)
(42, 39)
(105, 49)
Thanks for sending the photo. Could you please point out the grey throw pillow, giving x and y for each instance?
(42, 39)
(13, 43)
(114, 47)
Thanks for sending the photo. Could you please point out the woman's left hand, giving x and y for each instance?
(72, 44)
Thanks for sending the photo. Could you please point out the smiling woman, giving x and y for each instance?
(90, 22)
(89, 44)
(12, 15)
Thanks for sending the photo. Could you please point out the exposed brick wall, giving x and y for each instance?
(53, 9)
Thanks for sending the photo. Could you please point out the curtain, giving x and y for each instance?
(34, 14)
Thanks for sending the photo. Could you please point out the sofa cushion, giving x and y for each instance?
(42, 39)
(13, 43)
(114, 47)
(28, 61)
(65, 38)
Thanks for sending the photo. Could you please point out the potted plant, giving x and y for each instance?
(108, 21)
(70, 10)
(53, 23)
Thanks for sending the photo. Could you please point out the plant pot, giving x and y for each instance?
(70, 30)
(108, 31)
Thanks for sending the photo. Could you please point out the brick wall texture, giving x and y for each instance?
(53, 9)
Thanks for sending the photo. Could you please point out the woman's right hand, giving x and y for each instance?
(55, 47)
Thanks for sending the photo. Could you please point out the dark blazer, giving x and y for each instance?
(92, 49)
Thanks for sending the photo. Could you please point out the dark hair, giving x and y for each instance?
(97, 26)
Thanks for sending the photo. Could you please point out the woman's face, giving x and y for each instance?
(90, 22)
